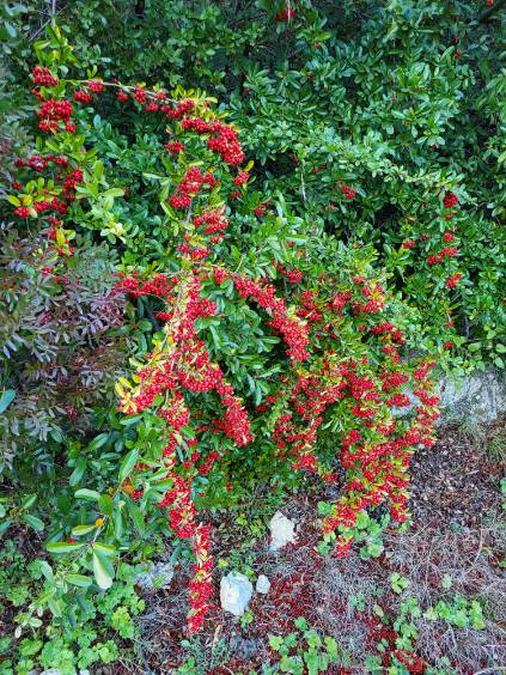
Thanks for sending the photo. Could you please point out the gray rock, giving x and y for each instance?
(235, 593)
(282, 531)
(479, 397)
(263, 584)
(158, 576)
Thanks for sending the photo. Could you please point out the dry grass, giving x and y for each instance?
(471, 559)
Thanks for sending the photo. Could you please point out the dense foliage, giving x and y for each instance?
(202, 299)
(400, 100)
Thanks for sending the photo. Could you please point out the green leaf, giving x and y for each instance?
(362, 520)
(6, 399)
(81, 530)
(325, 508)
(89, 495)
(103, 570)
(300, 623)
(63, 547)
(78, 472)
(128, 463)
(10, 29)
(275, 642)
(4, 526)
(98, 441)
(35, 523)
(79, 580)
(105, 549)
(128, 421)
(114, 192)
(137, 517)
(45, 569)
(29, 501)
(375, 549)
(105, 504)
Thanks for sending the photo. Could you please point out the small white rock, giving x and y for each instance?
(235, 593)
(282, 531)
(263, 584)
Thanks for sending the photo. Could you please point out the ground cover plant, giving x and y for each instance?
(233, 268)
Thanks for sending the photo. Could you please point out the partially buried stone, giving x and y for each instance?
(263, 584)
(235, 593)
(282, 531)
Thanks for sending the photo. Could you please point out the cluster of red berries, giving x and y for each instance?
(374, 294)
(449, 200)
(82, 96)
(54, 111)
(43, 77)
(190, 186)
(378, 471)
(175, 147)
(293, 330)
(349, 192)
(201, 586)
(40, 163)
(241, 178)
(223, 138)
(293, 275)
(214, 220)
(447, 252)
(50, 201)
(453, 280)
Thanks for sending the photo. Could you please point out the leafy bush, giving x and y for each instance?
(268, 340)
(399, 100)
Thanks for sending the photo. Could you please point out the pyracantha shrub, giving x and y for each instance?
(270, 359)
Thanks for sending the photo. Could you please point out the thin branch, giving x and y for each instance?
(45, 24)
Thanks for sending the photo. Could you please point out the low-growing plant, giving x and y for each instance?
(99, 630)
(303, 651)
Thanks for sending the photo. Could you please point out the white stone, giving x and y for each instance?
(263, 584)
(282, 531)
(235, 593)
